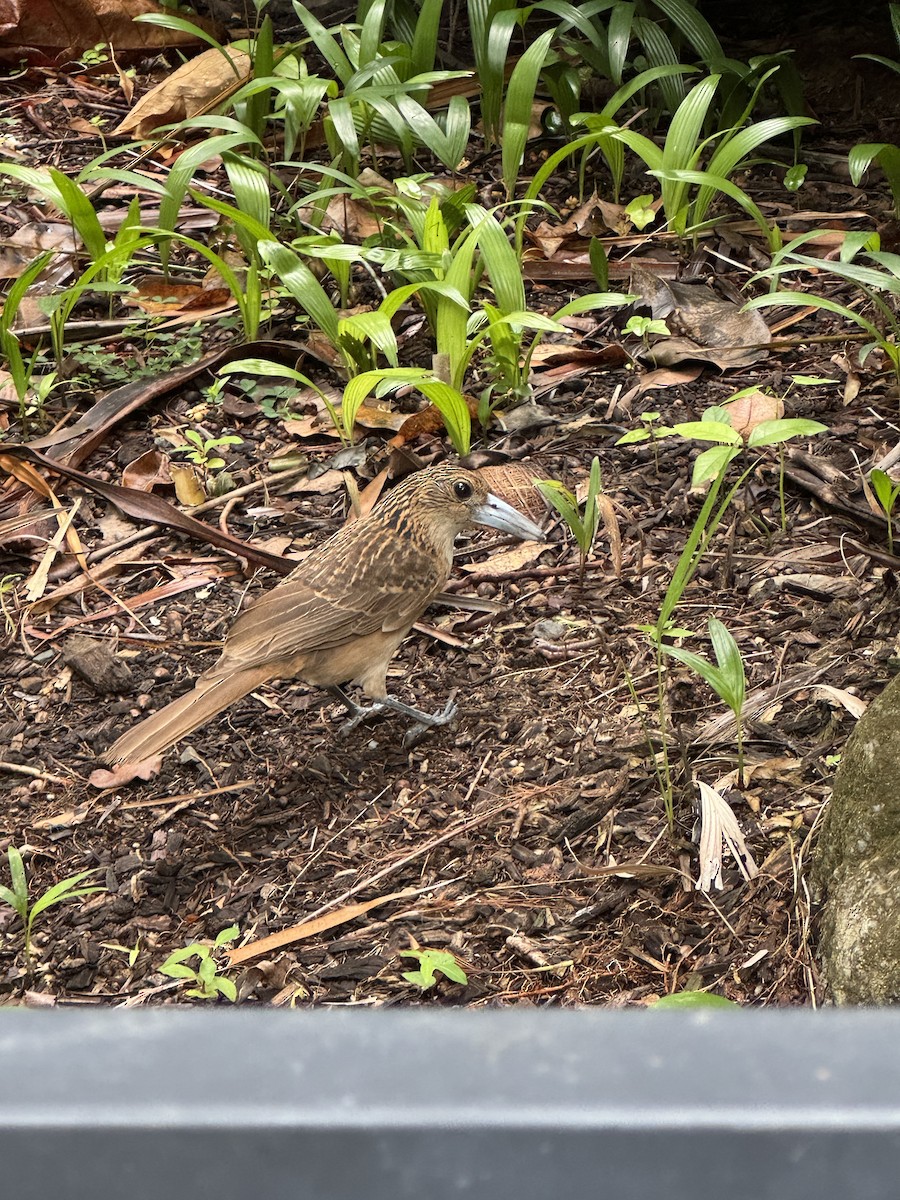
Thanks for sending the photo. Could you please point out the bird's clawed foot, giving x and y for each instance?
(426, 721)
(423, 720)
(358, 712)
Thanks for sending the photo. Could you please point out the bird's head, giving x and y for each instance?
(453, 499)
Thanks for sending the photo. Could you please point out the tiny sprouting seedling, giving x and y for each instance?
(583, 527)
(202, 451)
(795, 177)
(886, 493)
(8, 584)
(640, 212)
(645, 328)
(17, 896)
(131, 952)
(649, 432)
(208, 984)
(95, 55)
(430, 961)
(726, 676)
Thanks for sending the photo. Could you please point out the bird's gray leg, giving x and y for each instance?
(423, 720)
(358, 712)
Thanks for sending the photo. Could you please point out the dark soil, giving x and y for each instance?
(530, 835)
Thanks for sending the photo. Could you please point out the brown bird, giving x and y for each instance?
(340, 616)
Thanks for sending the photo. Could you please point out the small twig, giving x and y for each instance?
(34, 773)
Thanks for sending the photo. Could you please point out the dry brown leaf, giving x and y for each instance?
(113, 777)
(718, 824)
(751, 410)
(371, 493)
(157, 295)
(371, 417)
(28, 241)
(703, 327)
(188, 484)
(60, 30)
(514, 483)
(322, 485)
(305, 929)
(348, 217)
(145, 472)
(38, 581)
(613, 533)
(195, 88)
(511, 560)
(427, 421)
(853, 704)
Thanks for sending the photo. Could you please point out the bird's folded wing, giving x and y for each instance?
(300, 616)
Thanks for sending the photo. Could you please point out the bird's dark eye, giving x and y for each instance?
(462, 490)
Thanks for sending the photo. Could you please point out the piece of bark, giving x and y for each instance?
(97, 665)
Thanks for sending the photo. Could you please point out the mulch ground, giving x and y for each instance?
(529, 838)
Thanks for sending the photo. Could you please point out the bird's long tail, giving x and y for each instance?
(213, 692)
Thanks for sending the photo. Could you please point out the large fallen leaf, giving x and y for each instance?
(196, 87)
(704, 328)
(145, 472)
(32, 239)
(141, 505)
(159, 296)
(514, 483)
(60, 31)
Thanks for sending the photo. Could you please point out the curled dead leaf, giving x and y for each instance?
(514, 483)
(751, 410)
(146, 471)
(121, 773)
(196, 87)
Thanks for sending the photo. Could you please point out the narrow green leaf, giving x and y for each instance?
(518, 108)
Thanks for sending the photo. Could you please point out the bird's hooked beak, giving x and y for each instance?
(500, 515)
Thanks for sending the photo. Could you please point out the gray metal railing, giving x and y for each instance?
(433, 1104)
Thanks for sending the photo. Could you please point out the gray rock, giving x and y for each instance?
(857, 867)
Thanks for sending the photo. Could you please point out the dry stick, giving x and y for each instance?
(34, 773)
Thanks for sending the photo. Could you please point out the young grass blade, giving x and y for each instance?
(325, 43)
(17, 897)
(518, 108)
(303, 286)
(887, 156)
(695, 28)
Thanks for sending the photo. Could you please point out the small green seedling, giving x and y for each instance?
(693, 1000)
(645, 328)
(641, 212)
(208, 983)
(795, 176)
(201, 451)
(8, 585)
(726, 676)
(584, 528)
(649, 431)
(430, 961)
(132, 952)
(886, 492)
(17, 896)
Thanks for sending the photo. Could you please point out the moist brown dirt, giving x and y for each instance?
(529, 837)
